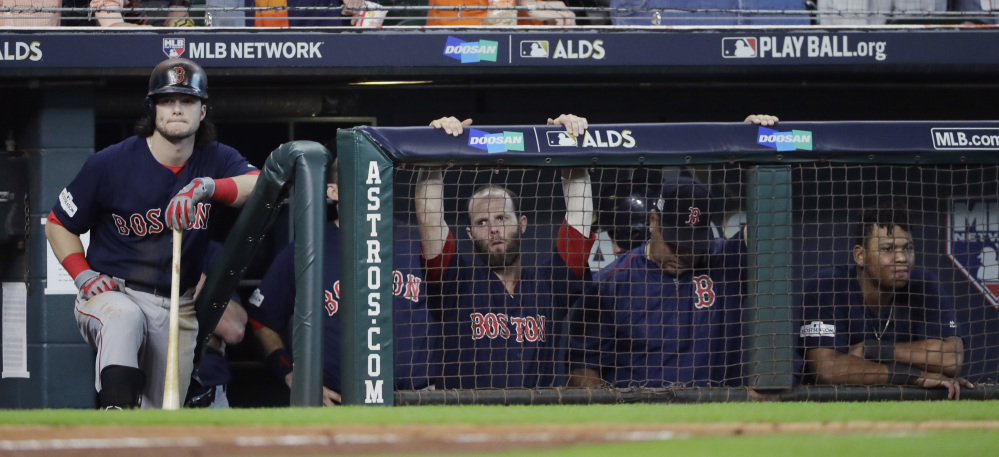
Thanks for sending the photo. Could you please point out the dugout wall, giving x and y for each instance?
(798, 186)
(84, 86)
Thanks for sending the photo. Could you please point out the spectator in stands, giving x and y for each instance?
(224, 13)
(669, 314)
(869, 12)
(503, 319)
(273, 303)
(542, 12)
(881, 320)
(175, 13)
(642, 12)
(30, 19)
(330, 13)
(984, 6)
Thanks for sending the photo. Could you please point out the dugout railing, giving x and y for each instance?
(828, 169)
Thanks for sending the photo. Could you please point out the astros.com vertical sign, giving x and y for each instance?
(374, 385)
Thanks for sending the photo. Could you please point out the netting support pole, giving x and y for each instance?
(768, 306)
(366, 178)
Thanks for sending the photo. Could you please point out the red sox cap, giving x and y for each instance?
(685, 214)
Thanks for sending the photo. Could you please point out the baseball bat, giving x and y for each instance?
(171, 387)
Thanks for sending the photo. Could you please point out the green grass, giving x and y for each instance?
(949, 443)
(619, 414)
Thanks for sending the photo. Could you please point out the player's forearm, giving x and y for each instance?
(270, 340)
(832, 367)
(244, 186)
(939, 356)
(63, 241)
(578, 199)
(430, 212)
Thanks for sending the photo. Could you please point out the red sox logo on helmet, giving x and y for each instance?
(695, 216)
(176, 75)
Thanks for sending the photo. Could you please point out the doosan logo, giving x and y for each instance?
(496, 142)
(785, 141)
(471, 51)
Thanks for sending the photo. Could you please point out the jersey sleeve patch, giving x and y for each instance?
(257, 298)
(817, 328)
(66, 202)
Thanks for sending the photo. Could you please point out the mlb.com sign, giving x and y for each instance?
(785, 141)
(471, 51)
(496, 142)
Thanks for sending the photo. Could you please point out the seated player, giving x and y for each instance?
(881, 320)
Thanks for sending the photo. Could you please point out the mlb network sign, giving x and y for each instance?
(496, 142)
(471, 51)
(794, 140)
(973, 242)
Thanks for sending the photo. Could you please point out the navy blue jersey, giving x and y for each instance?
(616, 264)
(834, 315)
(640, 326)
(273, 304)
(496, 340)
(121, 194)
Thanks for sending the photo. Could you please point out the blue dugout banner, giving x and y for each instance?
(89, 50)
(928, 142)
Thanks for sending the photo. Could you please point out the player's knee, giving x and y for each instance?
(121, 387)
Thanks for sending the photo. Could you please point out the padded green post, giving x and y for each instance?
(366, 176)
(768, 306)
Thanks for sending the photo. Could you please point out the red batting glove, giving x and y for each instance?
(182, 211)
(92, 283)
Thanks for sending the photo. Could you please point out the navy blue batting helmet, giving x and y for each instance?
(178, 76)
(623, 212)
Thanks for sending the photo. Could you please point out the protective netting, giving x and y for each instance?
(310, 13)
(690, 279)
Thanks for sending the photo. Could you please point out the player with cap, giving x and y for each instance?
(670, 313)
(130, 196)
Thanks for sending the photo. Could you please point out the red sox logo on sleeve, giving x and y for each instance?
(694, 217)
(704, 291)
(150, 223)
(497, 325)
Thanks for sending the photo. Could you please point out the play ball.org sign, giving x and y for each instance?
(973, 242)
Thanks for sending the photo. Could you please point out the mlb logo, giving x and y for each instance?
(973, 242)
(174, 47)
(534, 49)
(561, 139)
(738, 48)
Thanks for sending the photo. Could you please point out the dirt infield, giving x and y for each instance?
(184, 441)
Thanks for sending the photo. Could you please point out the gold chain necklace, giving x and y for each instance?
(885, 329)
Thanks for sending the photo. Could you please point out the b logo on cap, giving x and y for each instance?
(694, 217)
(176, 75)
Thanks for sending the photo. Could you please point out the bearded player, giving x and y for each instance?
(501, 318)
(129, 196)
